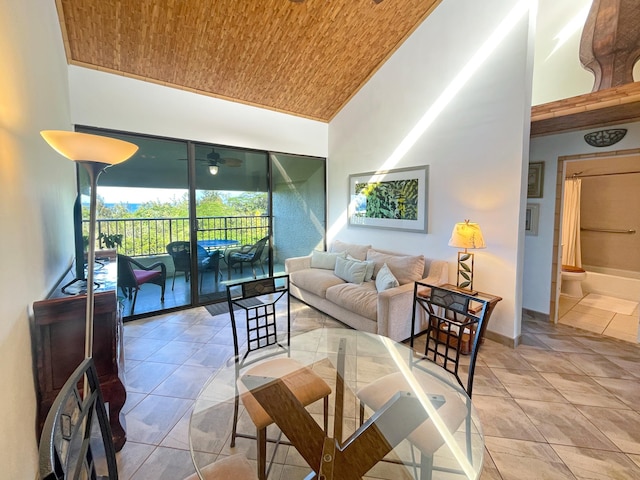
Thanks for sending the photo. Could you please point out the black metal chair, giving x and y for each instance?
(452, 318)
(133, 274)
(71, 448)
(251, 254)
(67, 450)
(260, 300)
(180, 253)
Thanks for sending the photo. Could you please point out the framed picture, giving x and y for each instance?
(536, 180)
(531, 219)
(394, 199)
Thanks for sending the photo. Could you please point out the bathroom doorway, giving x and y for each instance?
(610, 241)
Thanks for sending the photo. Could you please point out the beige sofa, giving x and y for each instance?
(332, 283)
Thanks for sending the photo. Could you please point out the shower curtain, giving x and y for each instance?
(571, 254)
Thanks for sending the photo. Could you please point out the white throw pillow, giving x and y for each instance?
(325, 260)
(385, 279)
(352, 271)
(370, 267)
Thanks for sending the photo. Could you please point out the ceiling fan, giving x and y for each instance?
(215, 161)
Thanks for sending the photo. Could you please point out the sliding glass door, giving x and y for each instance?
(241, 211)
(232, 216)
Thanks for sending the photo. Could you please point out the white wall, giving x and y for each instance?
(474, 145)
(105, 100)
(37, 189)
(539, 249)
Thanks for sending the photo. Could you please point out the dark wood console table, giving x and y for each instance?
(58, 344)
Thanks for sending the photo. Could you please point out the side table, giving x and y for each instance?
(466, 339)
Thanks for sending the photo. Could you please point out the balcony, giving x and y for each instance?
(146, 240)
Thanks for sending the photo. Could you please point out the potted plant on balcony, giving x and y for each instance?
(110, 240)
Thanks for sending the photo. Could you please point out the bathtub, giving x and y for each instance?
(611, 282)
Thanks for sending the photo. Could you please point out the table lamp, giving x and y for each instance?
(95, 153)
(466, 235)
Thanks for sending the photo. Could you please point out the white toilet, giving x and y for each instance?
(571, 281)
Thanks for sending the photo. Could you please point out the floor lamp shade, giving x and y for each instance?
(90, 148)
(466, 235)
(95, 153)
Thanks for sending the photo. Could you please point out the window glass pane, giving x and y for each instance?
(145, 201)
(299, 200)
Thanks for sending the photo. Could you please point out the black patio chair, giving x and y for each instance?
(133, 274)
(180, 253)
(251, 254)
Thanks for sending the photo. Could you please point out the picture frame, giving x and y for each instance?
(390, 199)
(532, 216)
(535, 180)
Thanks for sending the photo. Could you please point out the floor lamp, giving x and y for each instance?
(95, 153)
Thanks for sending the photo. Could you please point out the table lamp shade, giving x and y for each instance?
(85, 147)
(466, 235)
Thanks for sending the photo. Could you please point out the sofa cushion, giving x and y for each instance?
(406, 268)
(358, 252)
(361, 299)
(315, 280)
(325, 260)
(352, 271)
(370, 267)
(385, 279)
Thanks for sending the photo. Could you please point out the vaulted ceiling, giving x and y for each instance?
(306, 58)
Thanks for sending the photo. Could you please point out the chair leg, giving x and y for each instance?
(426, 466)
(135, 297)
(261, 438)
(234, 429)
(326, 414)
(174, 280)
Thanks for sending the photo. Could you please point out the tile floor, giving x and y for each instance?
(601, 314)
(563, 405)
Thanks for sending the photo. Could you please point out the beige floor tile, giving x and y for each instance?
(503, 417)
(622, 427)
(165, 464)
(627, 391)
(544, 361)
(589, 464)
(131, 457)
(582, 390)
(564, 424)
(525, 460)
(154, 417)
(585, 321)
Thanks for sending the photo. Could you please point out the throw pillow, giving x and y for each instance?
(370, 267)
(356, 251)
(385, 279)
(352, 271)
(325, 260)
(405, 268)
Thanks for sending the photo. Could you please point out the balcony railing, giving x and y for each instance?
(149, 236)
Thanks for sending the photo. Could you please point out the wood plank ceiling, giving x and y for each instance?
(307, 59)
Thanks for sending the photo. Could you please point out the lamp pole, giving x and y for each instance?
(94, 169)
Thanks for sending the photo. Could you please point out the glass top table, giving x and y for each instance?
(426, 420)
